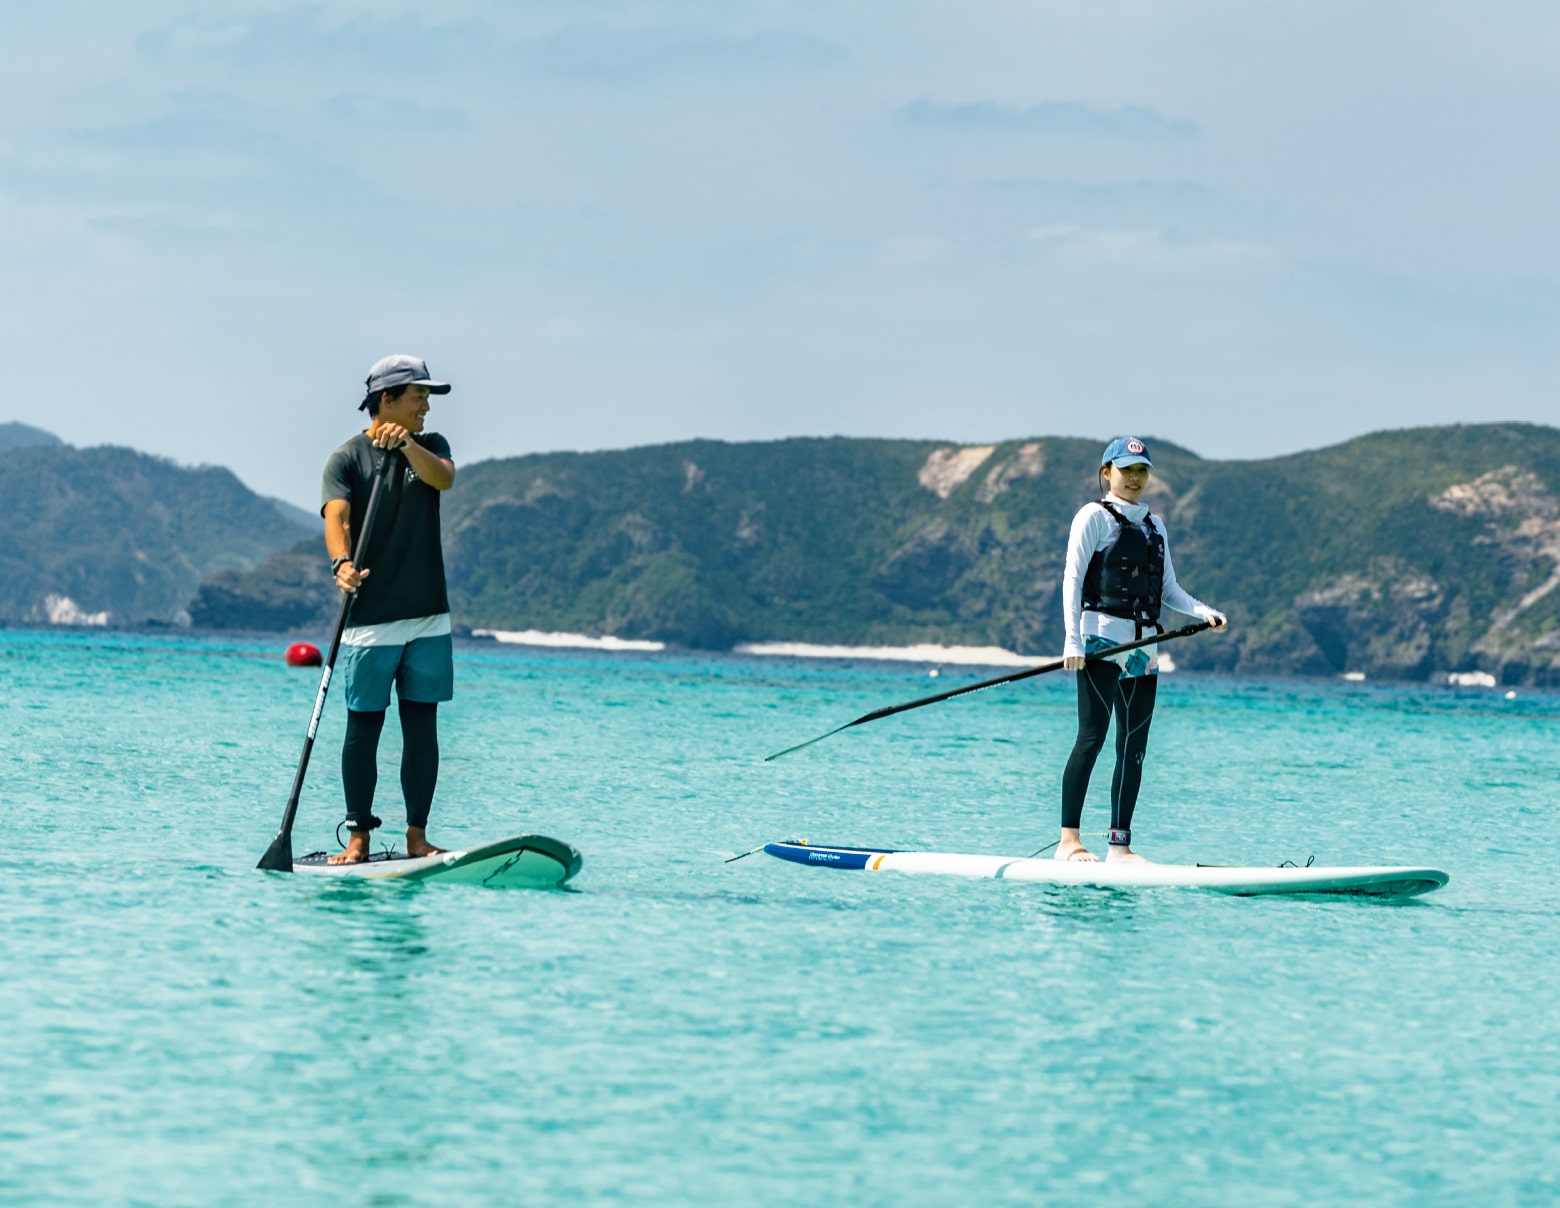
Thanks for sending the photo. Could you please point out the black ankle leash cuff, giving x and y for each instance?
(352, 824)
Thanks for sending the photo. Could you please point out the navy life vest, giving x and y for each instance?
(1127, 577)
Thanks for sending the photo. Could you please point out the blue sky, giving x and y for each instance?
(1247, 228)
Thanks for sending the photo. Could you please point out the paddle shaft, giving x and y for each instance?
(278, 857)
(1013, 677)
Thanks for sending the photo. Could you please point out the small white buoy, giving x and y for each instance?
(1512, 694)
(934, 673)
(1354, 677)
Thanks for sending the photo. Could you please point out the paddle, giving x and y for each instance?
(1054, 665)
(278, 857)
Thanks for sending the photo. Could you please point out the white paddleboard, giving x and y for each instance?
(521, 862)
(1363, 880)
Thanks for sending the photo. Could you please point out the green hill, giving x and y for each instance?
(1400, 554)
(21, 436)
(112, 536)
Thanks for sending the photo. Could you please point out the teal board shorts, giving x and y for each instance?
(1142, 661)
(421, 670)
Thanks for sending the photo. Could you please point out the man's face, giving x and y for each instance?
(409, 410)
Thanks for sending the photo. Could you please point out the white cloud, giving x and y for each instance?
(1050, 117)
(1151, 249)
(398, 114)
(695, 218)
(904, 251)
(564, 333)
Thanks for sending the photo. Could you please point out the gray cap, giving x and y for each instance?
(401, 369)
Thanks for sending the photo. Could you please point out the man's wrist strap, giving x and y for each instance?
(335, 563)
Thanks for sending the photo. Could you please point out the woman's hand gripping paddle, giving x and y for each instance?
(278, 857)
(1054, 665)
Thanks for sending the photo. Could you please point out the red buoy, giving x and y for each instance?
(303, 654)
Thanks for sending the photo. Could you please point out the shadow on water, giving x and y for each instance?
(731, 897)
(373, 929)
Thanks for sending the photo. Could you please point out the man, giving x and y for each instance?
(400, 620)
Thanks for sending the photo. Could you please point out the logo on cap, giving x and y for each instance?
(1134, 446)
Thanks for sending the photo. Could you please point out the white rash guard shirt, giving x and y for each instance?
(1092, 530)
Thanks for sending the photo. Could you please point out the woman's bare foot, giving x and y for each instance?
(356, 850)
(1117, 854)
(417, 843)
(1071, 847)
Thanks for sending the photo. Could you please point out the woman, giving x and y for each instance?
(1118, 576)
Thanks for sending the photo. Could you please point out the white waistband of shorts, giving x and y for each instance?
(1115, 629)
(397, 633)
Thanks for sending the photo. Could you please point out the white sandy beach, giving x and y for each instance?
(578, 641)
(974, 656)
(947, 656)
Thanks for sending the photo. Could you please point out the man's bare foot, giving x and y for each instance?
(417, 843)
(1124, 855)
(356, 850)
(1071, 847)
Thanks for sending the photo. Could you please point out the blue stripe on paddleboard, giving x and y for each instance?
(831, 857)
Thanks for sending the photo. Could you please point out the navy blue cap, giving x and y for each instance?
(1126, 451)
(401, 369)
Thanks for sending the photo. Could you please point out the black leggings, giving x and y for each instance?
(1102, 689)
(419, 762)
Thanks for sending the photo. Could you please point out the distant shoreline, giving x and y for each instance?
(966, 656)
(971, 656)
(566, 641)
(929, 654)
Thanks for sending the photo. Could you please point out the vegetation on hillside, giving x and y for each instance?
(119, 536)
(1400, 553)
(22, 436)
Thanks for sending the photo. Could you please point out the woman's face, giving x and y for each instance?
(1127, 482)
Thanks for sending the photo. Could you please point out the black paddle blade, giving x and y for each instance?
(809, 742)
(278, 857)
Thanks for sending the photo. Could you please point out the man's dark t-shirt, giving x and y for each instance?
(404, 552)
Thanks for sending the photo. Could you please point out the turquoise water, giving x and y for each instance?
(180, 1029)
